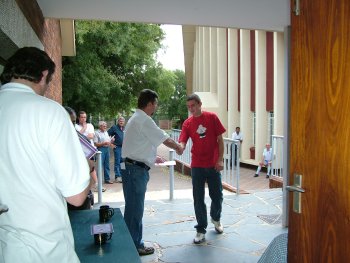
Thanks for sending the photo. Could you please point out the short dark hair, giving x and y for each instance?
(146, 96)
(71, 113)
(28, 63)
(194, 97)
(70, 110)
(81, 112)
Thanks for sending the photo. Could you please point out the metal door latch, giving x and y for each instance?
(297, 191)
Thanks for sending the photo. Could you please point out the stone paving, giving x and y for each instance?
(250, 221)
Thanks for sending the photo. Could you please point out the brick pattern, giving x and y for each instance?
(51, 38)
(49, 32)
(275, 182)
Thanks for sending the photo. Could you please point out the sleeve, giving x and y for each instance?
(111, 131)
(184, 133)
(96, 137)
(220, 129)
(66, 157)
(153, 133)
(91, 128)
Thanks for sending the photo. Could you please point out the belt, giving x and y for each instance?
(141, 164)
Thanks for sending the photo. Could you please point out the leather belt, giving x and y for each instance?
(141, 164)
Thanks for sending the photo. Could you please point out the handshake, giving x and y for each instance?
(179, 149)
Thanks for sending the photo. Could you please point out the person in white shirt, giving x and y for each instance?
(141, 139)
(265, 161)
(42, 164)
(85, 128)
(103, 142)
(237, 135)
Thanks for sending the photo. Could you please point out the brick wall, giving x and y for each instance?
(52, 43)
(165, 124)
(49, 33)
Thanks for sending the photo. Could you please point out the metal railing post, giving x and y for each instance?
(99, 176)
(238, 143)
(171, 175)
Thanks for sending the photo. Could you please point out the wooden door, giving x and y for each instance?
(320, 131)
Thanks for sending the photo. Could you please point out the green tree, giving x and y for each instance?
(114, 61)
(174, 107)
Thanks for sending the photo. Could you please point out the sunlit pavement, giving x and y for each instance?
(250, 221)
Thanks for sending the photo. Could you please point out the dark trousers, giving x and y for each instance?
(213, 179)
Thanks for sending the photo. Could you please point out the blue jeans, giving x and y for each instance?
(117, 160)
(135, 181)
(213, 179)
(105, 162)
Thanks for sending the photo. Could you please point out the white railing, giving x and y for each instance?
(230, 174)
(185, 158)
(277, 162)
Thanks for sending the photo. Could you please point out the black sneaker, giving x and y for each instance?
(256, 175)
(267, 176)
(145, 251)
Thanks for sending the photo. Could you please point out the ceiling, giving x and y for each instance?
(270, 15)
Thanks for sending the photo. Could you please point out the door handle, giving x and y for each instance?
(294, 188)
(297, 191)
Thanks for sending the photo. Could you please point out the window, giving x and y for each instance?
(270, 126)
(254, 127)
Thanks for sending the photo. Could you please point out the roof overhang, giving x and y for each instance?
(271, 15)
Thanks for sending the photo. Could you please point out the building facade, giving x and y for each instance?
(239, 74)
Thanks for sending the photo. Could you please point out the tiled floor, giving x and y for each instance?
(250, 221)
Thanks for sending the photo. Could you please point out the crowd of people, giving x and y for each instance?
(48, 159)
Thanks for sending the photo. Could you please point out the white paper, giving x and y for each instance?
(101, 228)
(167, 163)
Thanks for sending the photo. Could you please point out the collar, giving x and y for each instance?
(14, 86)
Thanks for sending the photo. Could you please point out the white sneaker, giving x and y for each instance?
(95, 189)
(199, 238)
(119, 179)
(218, 226)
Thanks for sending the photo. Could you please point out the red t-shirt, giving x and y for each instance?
(203, 130)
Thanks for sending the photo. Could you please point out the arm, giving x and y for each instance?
(101, 144)
(173, 145)
(220, 163)
(78, 200)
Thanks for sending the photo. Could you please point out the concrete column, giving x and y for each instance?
(278, 100)
(278, 83)
(233, 114)
(221, 76)
(199, 38)
(206, 59)
(195, 67)
(213, 59)
(260, 103)
(246, 114)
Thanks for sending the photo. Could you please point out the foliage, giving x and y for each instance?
(174, 107)
(114, 62)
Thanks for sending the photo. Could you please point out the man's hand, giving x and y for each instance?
(219, 166)
(180, 149)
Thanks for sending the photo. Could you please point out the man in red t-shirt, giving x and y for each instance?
(205, 130)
